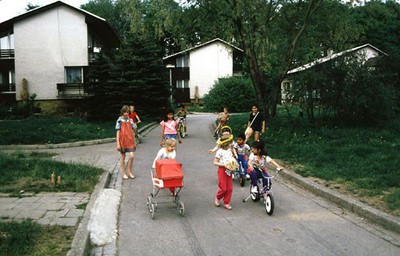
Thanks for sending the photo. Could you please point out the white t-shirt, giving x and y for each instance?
(260, 162)
(243, 149)
(224, 155)
(164, 154)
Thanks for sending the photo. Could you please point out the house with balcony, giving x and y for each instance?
(47, 51)
(366, 54)
(194, 71)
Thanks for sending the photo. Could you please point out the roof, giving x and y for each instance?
(202, 45)
(333, 56)
(93, 21)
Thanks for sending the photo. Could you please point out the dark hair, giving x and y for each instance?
(241, 135)
(166, 114)
(260, 145)
(255, 105)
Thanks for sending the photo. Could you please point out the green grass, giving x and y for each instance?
(30, 238)
(52, 130)
(365, 159)
(31, 172)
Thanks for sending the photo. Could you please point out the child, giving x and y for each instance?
(126, 141)
(182, 112)
(226, 133)
(169, 128)
(260, 159)
(256, 124)
(222, 118)
(242, 150)
(166, 152)
(133, 115)
(223, 159)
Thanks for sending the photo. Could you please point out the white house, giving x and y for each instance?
(194, 70)
(364, 53)
(50, 48)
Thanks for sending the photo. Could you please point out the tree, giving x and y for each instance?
(135, 73)
(237, 94)
(252, 23)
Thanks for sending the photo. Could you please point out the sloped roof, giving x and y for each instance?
(202, 45)
(333, 56)
(93, 21)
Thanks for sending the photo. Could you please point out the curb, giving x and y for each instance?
(81, 243)
(383, 219)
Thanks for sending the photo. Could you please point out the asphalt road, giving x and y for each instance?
(302, 223)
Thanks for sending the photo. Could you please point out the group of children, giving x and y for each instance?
(126, 126)
(240, 152)
(228, 153)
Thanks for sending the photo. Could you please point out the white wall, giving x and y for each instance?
(44, 45)
(207, 64)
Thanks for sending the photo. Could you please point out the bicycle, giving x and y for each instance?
(264, 192)
(240, 174)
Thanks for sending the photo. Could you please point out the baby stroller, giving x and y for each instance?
(168, 174)
(264, 192)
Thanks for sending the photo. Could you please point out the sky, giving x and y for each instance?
(12, 8)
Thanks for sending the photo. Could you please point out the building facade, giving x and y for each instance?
(47, 52)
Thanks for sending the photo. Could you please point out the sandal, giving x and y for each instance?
(228, 206)
(125, 177)
(131, 176)
(216, 202)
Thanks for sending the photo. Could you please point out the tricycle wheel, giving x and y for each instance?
(242, 180)
(269, 204)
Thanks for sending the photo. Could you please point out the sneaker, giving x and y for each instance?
(253, 189)
(247, 176)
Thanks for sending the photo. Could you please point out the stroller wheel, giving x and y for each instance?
(181, 208)
(149, 203)
(152, 211)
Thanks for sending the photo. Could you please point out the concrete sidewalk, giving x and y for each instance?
(45, 208)
(64, 208)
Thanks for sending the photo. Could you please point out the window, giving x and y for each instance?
(182, 83)
(94, 44)
(182, 62)
(73, 75)
(7, 42)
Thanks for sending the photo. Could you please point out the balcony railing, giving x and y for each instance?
(76, 90)
(7, 54)
(7, 88)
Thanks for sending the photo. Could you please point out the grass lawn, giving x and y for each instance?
(30, 238)
(363, 162)
(31, 173)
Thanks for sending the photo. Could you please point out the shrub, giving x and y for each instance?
(237, 94)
